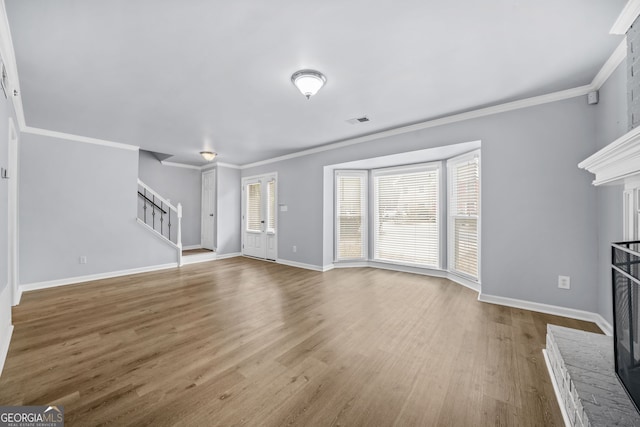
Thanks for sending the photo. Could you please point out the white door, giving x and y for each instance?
(259, 222)
(208, 209)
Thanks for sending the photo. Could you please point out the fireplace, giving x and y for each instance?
(625, 264)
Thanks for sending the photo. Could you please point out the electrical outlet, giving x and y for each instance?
(83, 260)
(564, 282)
(295, 249)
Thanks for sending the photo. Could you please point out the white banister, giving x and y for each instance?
(159, 216)
(157, 196)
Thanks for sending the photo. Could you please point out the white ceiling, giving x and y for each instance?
(178, 77)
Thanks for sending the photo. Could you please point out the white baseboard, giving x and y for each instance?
(474, 286)
(191, 247)
(328, 267)
(6, 328)
(409, 269)
(571, 313)
(196, 258)
(605, 326)
(556, 389)
(92, 277)
(17, 297)
(229, 255)
(299, 265)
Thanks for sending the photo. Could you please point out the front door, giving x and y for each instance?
(259, 220)
(208, 209)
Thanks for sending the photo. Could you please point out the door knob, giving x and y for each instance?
(210, 214)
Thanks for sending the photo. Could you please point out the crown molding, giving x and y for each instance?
(227, 165)
(78, 138)
(616, 58)
(203, 167)
(626, 18)
(180, 165)
(628, 15)
(482, 112)
(616, 162)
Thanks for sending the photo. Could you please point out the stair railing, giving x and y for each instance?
(160, 215)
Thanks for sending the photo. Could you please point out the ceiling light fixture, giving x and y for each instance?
(208, 155)
(308, 82)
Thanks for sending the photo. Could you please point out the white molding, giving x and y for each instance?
(229, 255)
(617, 161)
(93, 277)
(180, 165)
(299, 265)
(474, 286)
(226, 165)
(6, 328)
(328, 267)
(77, 138)
(482, 112)
(555, 310)
(604, 325)
(626, 18)
(203, 167)
(191, 247)
(350, 264)
(616, 58)
(197, 258)
(157, 196)
(4, 345)
(17, 297)
(556, 389)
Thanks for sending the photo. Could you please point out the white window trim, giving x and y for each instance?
(450, 218)
(419, 167)
(365, 213)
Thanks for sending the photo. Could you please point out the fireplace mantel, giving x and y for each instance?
(618, 162)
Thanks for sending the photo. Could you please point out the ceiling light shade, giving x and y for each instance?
(308, 82)
(208, 155)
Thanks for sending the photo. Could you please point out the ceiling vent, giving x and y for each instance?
(357, 120)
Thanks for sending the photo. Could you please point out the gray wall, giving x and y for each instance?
(228, 206)
(611, 123)
(538, 208)
(178, 185)
(79, 199)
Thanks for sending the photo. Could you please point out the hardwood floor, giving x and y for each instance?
(246, 342)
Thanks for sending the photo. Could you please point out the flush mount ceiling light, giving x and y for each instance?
(208, 155)
(308, 82)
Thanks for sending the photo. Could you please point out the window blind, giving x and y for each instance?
(351, 211)
(271, 209)
(254, 200)
(406, 215)
(464, 212)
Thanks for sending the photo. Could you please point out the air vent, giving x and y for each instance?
(357, 120)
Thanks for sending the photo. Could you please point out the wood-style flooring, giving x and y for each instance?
(246, 342)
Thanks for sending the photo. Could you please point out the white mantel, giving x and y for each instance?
(618, 162)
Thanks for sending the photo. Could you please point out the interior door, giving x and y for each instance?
(259, 217)
(208, 209)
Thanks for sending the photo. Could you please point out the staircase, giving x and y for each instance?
(159, 216)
